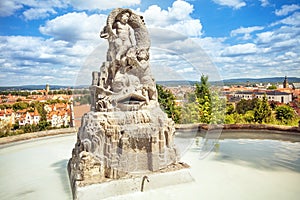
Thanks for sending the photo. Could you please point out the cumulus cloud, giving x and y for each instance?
(286, 9)
(236, 4)
(33, 9)
(240, 49)
(264, 3)
(37, 13)
(176, 18)
(74, 26)
(8, 7)
(24, 57)
(36, 9)
(294, 19)
(246, 32)
(101, 5)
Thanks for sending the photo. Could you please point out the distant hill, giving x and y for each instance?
(175, 83)
(273, 80)
(238, 81)
(32, 87)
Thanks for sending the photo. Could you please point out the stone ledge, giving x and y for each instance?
(199, 127)
(132, 185)
(27, 136)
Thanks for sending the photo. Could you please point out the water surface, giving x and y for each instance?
(225, 168)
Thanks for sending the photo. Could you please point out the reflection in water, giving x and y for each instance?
(268, 154)
(258, 153)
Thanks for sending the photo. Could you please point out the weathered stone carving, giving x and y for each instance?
(126, 131)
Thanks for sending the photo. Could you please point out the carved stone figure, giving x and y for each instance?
(126, 131)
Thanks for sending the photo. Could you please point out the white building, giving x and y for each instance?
(272, 95)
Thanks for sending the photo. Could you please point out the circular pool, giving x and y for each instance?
(240, 165)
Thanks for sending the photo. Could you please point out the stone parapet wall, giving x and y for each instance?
(199, 127)
(28, 136)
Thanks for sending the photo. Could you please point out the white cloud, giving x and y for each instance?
(264, 3)
(246, 30)
(294, 19)
(184, 70)
(74, 27)
(8, 7)
(37, 13)
(24, 57)
(240, 49)
(102, 5)
(265, 37)
(236, 4)
(36, 9)
(286, 9)
(176, 18)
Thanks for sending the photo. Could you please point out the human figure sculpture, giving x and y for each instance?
(126, 73)
(123, 41)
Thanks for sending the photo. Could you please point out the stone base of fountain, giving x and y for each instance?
(134, 182)
(115, 150)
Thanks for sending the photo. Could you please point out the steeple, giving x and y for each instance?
(47, 89)
(285, 83)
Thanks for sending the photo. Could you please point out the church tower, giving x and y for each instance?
(285, 83)
(47, 89)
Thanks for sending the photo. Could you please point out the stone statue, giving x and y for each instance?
(126, 131)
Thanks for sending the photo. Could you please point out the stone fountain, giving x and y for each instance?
(126, 137)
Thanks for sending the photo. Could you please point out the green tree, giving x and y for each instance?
(218, 108)
(203, 98)
(189, 113)
(262, 111)
(243, 106)
(40, 108)
(20, 105)
(69, 92)
(229, 108)
(272, 87)
(249, 116)
(284, 113)
(204, 109)
(167, 102)
(202, 89)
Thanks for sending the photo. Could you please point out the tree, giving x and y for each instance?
(262, 111)
(20, 106)
(69, 92)
(189, 113)
(229, 108)
(243, 106)
(167, 102)
(284, 113)
(218, 108)
(202, 89)
(203, 98)
(272, 87)
(204, 109)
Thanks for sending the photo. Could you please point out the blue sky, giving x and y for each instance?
(57, 41)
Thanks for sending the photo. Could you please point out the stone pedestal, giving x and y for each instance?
(114, 145)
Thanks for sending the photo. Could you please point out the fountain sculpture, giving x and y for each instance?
(126, 133)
